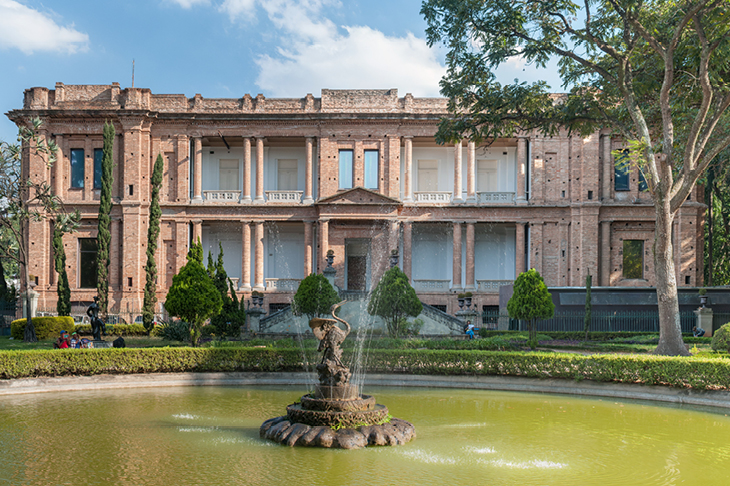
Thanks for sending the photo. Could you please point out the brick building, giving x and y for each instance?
(278, 182)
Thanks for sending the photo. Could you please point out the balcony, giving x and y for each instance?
(282, 284)
(290, 197)
(431, 285)
(222, 196)
(433, 197)
(495, 197)
(491, 286)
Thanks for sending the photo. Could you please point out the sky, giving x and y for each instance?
(222, 48)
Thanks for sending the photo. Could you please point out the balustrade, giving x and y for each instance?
(222, 196)
(284, 196)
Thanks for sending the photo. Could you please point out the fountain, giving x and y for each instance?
(336, 414)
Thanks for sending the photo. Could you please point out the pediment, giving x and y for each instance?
(359, 196)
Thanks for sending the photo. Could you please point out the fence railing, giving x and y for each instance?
(601, 321)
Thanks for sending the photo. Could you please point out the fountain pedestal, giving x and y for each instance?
(336, 414)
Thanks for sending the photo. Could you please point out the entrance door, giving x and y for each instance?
(358, 264)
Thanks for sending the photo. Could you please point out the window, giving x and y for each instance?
(77, 168)
(621, 172)
(428, 175)
(633, 259)
(228, 175)
(87, 263)
(643, 186)
(345, 169)
(371, 169)
(487, 180)
(287, 175)
(98, 156)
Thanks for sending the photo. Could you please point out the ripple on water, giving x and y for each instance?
(428, 457)
(186, 416)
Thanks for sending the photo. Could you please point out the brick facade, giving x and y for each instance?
(566, 216)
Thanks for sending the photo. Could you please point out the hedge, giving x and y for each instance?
(45, 327)
(683, 372)
(115, 329)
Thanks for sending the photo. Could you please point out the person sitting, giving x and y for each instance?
(63, 341)
(698, 332)
(75, 340)
(470, 329)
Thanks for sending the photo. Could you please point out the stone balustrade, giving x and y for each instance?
(431, 285)
(491, 285)
(222, 196)
(437, 197)
(495, 197)
(282, 284)
(284, 196)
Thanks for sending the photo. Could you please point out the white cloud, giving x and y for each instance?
(318, 55)
(29, 31)
(187, 4)
(238, 8)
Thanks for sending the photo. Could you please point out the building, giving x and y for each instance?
(279, 182)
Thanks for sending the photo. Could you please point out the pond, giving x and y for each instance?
(209, 435)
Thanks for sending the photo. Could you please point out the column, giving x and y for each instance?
(259, 171)
(308, 180)
(58, 169)
(456, 276)
(198, 170)
(457, 173)
(308, 242)
(407, 245)
(246, 171)
(182, 169)
(259, 257)
(408, 176)
(471, 178)
(323, 243)
(470, 258)
(608, 167)
(519, 248)
(197, 230)
(521, 171)
(605, 253)
(245, 284)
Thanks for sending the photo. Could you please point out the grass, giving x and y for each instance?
(9, 344)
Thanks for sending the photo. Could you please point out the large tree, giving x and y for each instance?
(653, 71)
(153, 233)
(104, 236)
(25, 199)
(394, 300)
(315, 297)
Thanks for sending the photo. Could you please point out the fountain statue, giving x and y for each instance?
(336, 415)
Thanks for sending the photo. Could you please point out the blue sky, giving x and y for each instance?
(221, 48)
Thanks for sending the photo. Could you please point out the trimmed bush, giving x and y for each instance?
(721, 339)
(115, 329)
(45, 327)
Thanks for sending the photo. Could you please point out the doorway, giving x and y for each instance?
(357, 266)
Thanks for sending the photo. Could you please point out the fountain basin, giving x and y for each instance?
(377, 415)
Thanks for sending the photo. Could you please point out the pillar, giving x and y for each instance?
(246, 171)
(245, 284)
(308, 242)
(308, 182)
(198, 170)
(521, 171)
(58, 185)
(408, 175)
(323, 243)
(407, 245)
(470, 258)
(605, 253)
(457, 173)
(259, 257)
(197, 230)
(471, 178)
(608, 167)
(259, 171)
(519, 248)
(456, 276)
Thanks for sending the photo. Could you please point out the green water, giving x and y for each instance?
(209, 436)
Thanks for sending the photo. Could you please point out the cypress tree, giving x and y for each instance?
(153, 233)
(104, 236)
(63, 306)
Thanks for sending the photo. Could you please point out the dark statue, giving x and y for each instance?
(331, 370)
(97, 325)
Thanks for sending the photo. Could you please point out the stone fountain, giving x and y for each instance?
(336, 415)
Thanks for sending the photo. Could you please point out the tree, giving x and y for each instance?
(652, 71)
(530, 301)
(394, 299)
(153, 233)
(315, 297)
(24, 199)
(104, 236)
(232, 315)
(193, 297)
(63, 306)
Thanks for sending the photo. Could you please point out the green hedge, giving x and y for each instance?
(45, 327)
(115, 329)
(683, 372)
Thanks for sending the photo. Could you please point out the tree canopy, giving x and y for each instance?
(530, 301)
(653, 72)
(315, 297)
(394, 299)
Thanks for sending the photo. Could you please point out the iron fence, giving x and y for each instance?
(8, 313)
(601, 321)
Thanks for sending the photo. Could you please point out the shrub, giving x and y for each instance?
(394, 299)
(174, 331)
(45, 327)
(721, 339)
(530, 301)
(115, 329)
